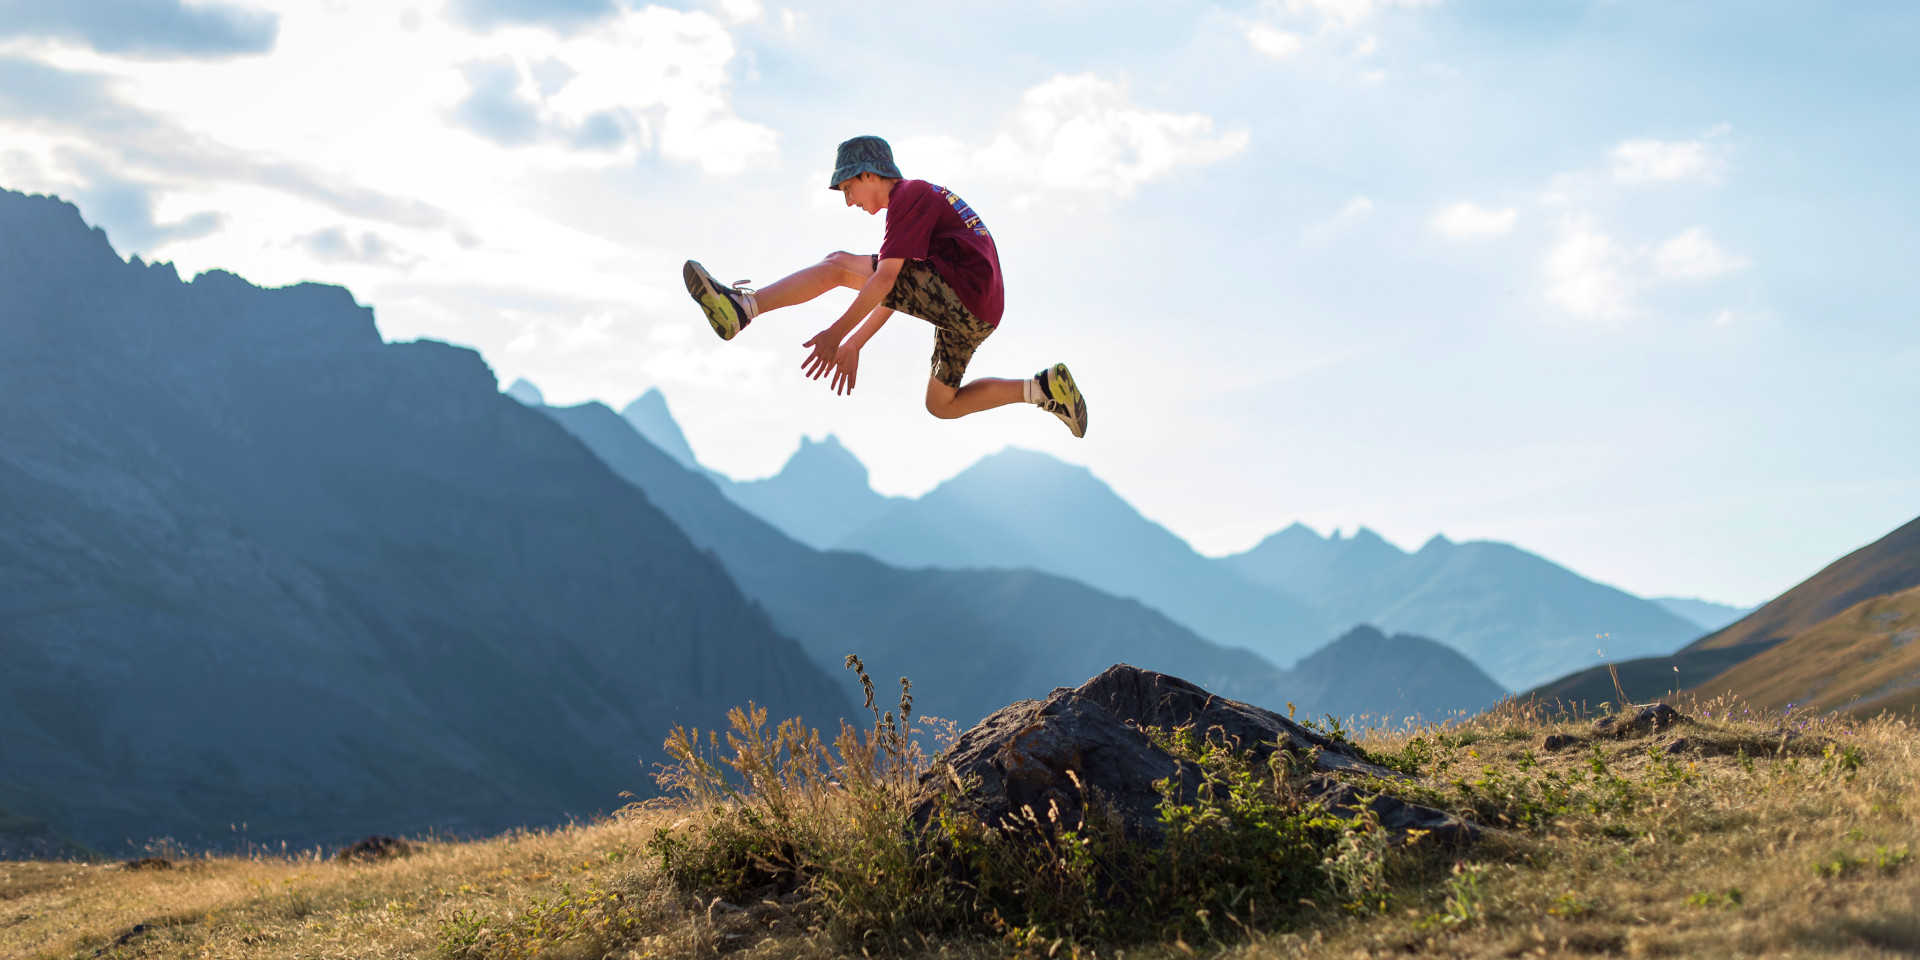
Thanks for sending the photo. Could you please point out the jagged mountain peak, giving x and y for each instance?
(524, 391)
(650, 415)
(826, 460)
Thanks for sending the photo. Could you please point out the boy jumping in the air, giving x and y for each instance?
(937, 262)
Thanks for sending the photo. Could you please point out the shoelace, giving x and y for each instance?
(746, 293)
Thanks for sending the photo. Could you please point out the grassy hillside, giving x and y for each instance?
(1751, 839)
(1862, 661)
(1887, 565)
(1643, 679)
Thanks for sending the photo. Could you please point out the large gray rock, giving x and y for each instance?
(1036, 761)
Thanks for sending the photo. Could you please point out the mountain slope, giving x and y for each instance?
(971, 640)
(1863, 660)
(1387, 679)
(1887, 565)
(1520, 617)
(1642, 680)
(1023, 509)
(261, 567)
(818, 498)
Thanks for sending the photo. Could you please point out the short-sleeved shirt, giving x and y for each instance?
(925, 222)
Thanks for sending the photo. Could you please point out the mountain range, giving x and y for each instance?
(259, 567)
(970, 640)
(996, 635)
(1520, 617)
(1017, 508)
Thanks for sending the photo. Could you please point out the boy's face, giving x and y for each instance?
(867, 191)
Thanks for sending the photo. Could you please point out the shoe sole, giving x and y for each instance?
(1060, 384)
(718, 307)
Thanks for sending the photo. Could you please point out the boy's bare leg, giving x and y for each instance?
(837, 270)
(985, 393)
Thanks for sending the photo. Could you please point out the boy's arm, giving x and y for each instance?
(875, 321)
(826, 343)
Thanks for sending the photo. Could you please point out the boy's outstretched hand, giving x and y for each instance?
(846, 369)
(832, 356)
(826, 348)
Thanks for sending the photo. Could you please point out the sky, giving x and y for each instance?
(1624, 282)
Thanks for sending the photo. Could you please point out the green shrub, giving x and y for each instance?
(781, 809)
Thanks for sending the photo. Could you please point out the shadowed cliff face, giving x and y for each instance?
(258, 566)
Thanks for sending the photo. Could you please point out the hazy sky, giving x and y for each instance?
(1628, 283)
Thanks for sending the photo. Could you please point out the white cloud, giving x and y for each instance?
(1592, 275)
(1273, 41)
(666, 73)
(1645, 161)
(1351, 12)
(1084, 135)
(741, 11)
(1693, 255)
(1467, 221)
(1588, 272)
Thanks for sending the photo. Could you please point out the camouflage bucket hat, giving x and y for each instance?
(863, 155)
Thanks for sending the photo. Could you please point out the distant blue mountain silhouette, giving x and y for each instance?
(1520, 617)
(648, 414)
(971, 640)
(1018, 508)
(260, 566)
(1380, 680)
(1709, 615)
(820, 496)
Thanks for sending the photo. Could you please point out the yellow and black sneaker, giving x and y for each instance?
(1062, 399)
(728, 309)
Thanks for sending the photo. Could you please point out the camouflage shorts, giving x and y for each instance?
(921, 292)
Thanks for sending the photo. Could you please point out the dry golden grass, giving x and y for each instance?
(1745, 843)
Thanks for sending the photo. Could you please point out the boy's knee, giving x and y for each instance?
(854, 268)
(942, 406)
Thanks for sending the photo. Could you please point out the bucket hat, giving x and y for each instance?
(863, 155)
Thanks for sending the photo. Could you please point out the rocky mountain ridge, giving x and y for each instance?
(259, 567)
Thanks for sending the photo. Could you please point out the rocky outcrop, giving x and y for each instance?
(1040, 761)
(1637, 720)
(373, 849)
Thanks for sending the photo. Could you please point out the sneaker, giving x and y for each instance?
(1062, 398)
(728, 309)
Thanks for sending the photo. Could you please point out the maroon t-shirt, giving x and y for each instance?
(925, 222)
